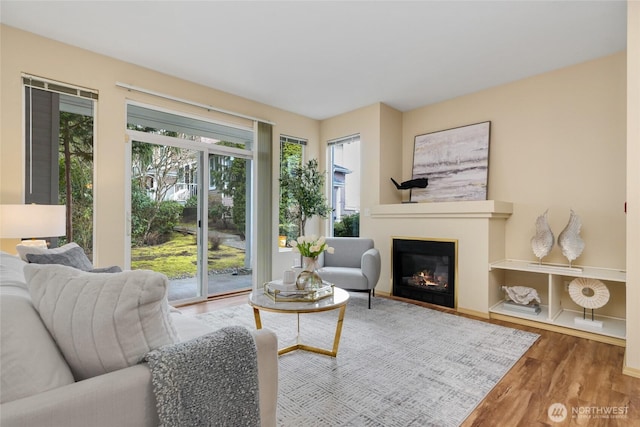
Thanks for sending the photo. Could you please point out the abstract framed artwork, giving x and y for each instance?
(456, 162)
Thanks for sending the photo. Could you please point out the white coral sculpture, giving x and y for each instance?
(542, 242)
(521, 294)
(569, 239)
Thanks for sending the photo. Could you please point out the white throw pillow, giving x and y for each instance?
(102, 322)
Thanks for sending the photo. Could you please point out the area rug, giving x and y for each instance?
(398, 364)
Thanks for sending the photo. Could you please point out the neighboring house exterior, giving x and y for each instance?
(339, 194)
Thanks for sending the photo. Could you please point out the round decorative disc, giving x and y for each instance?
(588, 293)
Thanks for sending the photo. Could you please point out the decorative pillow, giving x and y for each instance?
(23, 250)
(102, 322)
(74, 257)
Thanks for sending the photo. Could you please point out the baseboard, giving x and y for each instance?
(561, 329)
(632, 372)
(475, 313)
(458, 310)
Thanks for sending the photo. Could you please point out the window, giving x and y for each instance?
(59, 144)
(344, 161)
(291, 155)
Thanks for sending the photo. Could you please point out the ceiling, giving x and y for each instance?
(323, 58)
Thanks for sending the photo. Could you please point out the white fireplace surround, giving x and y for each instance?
(479, 228)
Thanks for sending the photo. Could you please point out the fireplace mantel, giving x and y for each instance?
(469, 209)
(478, 227)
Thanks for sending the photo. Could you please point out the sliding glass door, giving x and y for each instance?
(164, 228)
(229, 236)
(190, 202)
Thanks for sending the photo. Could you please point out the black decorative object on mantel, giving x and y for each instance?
(411, 184)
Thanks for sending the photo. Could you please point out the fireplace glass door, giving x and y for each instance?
(424, 270)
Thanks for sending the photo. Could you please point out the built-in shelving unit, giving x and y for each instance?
(553, 315)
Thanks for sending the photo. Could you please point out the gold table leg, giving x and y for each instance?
(299, 346)
(256, 316)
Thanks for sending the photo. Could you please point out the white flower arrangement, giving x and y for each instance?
(310, 246)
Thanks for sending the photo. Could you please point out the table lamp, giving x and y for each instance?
(30, 221)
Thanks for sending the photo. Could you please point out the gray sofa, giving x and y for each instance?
(354, 264)
(38, 386)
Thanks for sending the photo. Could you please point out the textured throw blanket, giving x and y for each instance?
(208, 381)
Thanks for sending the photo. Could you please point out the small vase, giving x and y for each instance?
(309, 277)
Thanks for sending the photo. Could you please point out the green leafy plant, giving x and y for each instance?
(152, 222)
(231, 179)
(75, 177)
(290, 157)
(349, 226)
(303, 184)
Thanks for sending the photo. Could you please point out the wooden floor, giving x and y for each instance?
(583, 375)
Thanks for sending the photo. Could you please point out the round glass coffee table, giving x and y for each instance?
(259, 301)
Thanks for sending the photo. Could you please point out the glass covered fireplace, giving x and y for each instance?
(425, 270)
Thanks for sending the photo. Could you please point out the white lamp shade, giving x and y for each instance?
(29, 221)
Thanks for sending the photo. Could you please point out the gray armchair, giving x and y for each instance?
(354, 265)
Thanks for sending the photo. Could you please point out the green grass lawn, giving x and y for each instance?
(177, 257)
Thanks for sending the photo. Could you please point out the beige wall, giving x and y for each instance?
(390, 155)
(380, 129)
(366, 122)
(561, 141)
(632, 359)
(28, 53)
(557, 142)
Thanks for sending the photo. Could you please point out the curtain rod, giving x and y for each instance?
(192, 103)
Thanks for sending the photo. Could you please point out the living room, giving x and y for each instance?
(564, 139)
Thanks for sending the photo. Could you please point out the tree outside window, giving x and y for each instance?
(291, 152)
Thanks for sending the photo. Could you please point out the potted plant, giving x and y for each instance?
(310, 248)
(303, 184)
